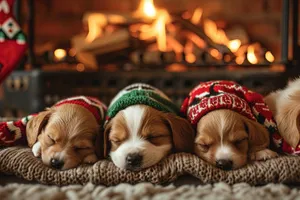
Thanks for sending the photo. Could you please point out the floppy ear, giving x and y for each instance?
(259, 137)
(183, 133)
(106, 144)
(35, 126)
(289, 126)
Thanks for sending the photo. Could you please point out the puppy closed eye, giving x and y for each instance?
(80, 148)
(240, 141)
(50, 140)
(203, 147)
(157, 139)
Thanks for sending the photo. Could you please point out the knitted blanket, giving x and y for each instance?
(21, 162)
(123, 191)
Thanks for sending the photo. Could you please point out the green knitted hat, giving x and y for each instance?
(140, 93)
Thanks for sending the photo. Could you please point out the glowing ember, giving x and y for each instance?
(215, 53)
(197, 16)
(251, 55)
(59, 54)
(146, 9)
(190, 58)
(95, 23)
(80, 67)
(269, 56)
(234, 45)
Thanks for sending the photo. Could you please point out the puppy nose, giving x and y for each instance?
(57, 164)
(133, 160)
(224, 164)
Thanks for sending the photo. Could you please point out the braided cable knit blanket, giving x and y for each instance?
(20, 161)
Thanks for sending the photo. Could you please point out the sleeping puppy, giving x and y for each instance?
(285, 105)
(142, 128)
(233, 124)
(64, 135)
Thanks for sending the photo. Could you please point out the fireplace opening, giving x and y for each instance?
(95, 49)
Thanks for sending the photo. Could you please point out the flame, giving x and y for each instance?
(157, 29)
(269, 56)
(59, 54)
(146, 9)
(215, 34)
(240, 60)
(96, 22)
(197, 16)
(234, 45)
(161, 37)
(251, 55)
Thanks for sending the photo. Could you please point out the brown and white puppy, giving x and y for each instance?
(141, 135)
(231, 123)
(227, 139)
(285, 105)
(64, 136)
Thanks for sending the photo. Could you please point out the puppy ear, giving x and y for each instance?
(259, 137)
(183, 133)
(106, 144)
(35, 126)
(289, 127)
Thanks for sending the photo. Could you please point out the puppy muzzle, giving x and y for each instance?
(56, 163)
(134, 161)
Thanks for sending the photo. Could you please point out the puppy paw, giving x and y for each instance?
(90, 159)
(36, 149)
(263, 155)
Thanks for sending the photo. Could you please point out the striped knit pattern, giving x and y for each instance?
(143, 94)
(14, 132)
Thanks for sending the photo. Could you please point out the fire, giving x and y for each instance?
(197, 16)
(251, 55)
(60, 54)
(216, 35)
(146, 9)
(157, 30)
(234, 45)
(96, 22)
(269, 56)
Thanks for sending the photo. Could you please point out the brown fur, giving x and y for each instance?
(285, 105)
(68, 128)
(241, 135)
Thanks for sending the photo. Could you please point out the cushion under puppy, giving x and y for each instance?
(233, 124)
(64, 135)
(143, 127)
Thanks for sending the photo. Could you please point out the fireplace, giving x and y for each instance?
(172, 45)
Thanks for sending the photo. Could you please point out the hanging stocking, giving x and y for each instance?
(12, 40)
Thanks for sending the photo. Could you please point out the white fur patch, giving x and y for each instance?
(152, 154)
(223, 152)
(36, 149)
(134, 144)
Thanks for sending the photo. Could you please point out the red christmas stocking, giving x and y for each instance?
(12, 39)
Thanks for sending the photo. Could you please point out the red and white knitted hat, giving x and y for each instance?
(213, 95)
(14, 132)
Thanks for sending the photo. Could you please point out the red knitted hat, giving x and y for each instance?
(14, 132)
(96, 107)
(213, 95)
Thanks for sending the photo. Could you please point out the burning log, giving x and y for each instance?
(88, 51)
(198, 31)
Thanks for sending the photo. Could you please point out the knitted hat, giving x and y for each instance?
(14, 132)
(140, 93)
(213, 95)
